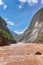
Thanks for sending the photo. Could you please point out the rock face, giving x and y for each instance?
(35, 28)
(15, 35)
(3, 25)
(5, 35)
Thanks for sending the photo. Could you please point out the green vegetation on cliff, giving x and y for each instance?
(39, 39)
(6, 38)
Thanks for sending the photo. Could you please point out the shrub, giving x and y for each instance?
(39, 39)
(6, 38)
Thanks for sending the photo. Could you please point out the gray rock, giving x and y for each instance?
(35, 28)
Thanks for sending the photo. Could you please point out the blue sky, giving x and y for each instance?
(18, 13)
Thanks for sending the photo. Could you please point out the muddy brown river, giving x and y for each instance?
(21, 54)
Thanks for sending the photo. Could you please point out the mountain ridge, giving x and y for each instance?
(5, 35)
(35, 28)
(15, 35)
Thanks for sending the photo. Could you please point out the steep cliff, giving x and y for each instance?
(5, 34)
(3, 25)
(35, 29)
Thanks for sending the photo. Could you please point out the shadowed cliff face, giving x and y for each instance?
(5, 36)
(3, 25)
(35, 28)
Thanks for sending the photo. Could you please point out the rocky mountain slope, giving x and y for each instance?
(15, 35)
(34, 33)
(3, 25)
(5, 34)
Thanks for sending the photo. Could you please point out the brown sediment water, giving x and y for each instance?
(21, 54)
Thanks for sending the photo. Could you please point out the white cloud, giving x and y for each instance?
(42, 1)
(3, 4)
(20, 32)
(23, 1)
(9, 22)
(30, 2)
(19, 6)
